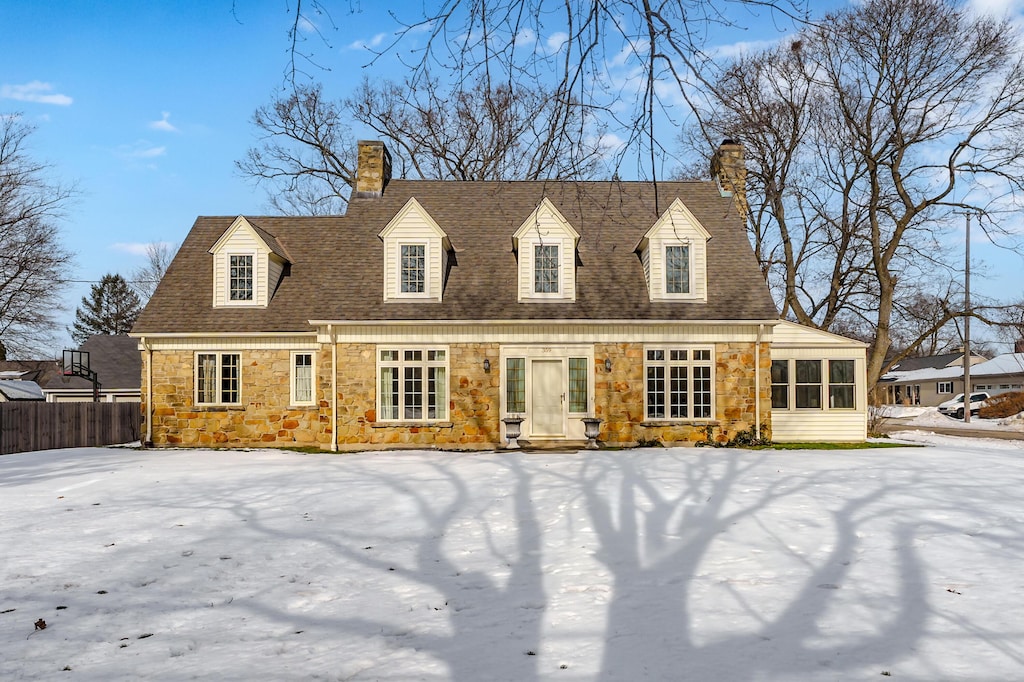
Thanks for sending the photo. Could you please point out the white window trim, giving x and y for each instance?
(546, 295)
(220, 369)
(828, 384)
(824, 394)
(691, 283)
(940, 384)
(401, 363)
(426, 293)
(690, 363)
(228, 301)
(292, 377)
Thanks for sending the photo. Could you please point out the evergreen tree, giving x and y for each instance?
(110, 308)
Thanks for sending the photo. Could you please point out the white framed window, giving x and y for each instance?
(413, 384)
(808, 384)
(677, 269)
(944, 387)
(303, 390)
(780, 384)
(515, 385)
(679, 383)
(240, 278)
(218, 379)
(840, 385)
(412, 269)
(546, 263)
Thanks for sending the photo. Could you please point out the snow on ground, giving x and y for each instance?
(929, 417)
(696, 564)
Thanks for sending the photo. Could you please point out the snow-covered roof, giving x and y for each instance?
(1007, 363)
(13, 389)
(926, 374)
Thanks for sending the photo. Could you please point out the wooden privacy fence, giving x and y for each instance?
(26, 426)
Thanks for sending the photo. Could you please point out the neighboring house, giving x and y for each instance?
(925, 381)
(115, 359)
(19, 389)
(1002, 374)
(437, 314)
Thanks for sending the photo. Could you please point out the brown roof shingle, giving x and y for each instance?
(336, 262)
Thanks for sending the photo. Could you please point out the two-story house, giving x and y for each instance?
(434, 311)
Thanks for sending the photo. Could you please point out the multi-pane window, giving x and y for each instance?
(302, 378)
(413, 384)
(240, 278)
(780, 384)
(414, 268)
(515, 384)
(577, 385)
(808, 384)
(545, 268)
(944, 387)
(679, 383)
(217, 378)
(840, 384)
(677, 269)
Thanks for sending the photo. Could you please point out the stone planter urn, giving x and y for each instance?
(513, 426)
(591, 429)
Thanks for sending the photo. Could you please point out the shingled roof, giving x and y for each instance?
(336, 270)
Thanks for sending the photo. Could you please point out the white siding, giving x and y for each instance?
(226, 343)
(413, 225)
(800, 426)
(546, 226)
(676, 227)
(242, 241)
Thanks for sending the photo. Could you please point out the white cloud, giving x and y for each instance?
(556, 41)
(163, 124)
(741, 48)
(374, 42)
(140, 150)
(36, 91)
(998, 9)
(138, 248)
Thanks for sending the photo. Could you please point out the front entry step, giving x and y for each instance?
(561, 445)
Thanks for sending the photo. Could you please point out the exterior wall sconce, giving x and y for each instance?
(487, 365)
(607, 364)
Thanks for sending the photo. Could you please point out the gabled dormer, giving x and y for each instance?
(674, 254)
(546, 248)
(248, 263)
(416, 253)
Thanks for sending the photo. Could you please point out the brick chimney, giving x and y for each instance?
(730, 174)
(373, 169)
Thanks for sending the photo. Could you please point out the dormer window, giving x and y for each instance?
(677, 269)
(414, 268)
(248, 264)
(545, 268)
(416, 255)
(240, 287)
(674, 256)
(545, 247)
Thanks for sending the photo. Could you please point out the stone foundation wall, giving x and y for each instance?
(264, 417)
(619, 396)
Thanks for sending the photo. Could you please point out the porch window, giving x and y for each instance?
(218, 378)
(515, 385)
(840, 384)
(413, 384)
(679, 383)
(808, 384)
(780, 384)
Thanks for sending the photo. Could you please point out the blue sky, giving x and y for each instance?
(146, 107)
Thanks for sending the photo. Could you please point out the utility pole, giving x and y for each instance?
(967, 325)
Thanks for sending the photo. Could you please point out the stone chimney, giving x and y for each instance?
(373, 169)
(730, 174)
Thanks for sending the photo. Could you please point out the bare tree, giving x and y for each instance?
(34, 266)
(476, 133)
(145, 278)
(866, 136)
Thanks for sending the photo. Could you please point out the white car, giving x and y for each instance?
(955, 407)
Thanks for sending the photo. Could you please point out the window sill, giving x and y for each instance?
(702, 421)
(411, 424)
(213, 407)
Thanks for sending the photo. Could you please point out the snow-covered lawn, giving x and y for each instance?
(672, 564)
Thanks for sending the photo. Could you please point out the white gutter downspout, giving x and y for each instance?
(149, 392)
(334, 388)
(757, 383)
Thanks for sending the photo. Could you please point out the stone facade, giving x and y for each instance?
(266, 419)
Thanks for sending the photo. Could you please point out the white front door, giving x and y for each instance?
(547, 414)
